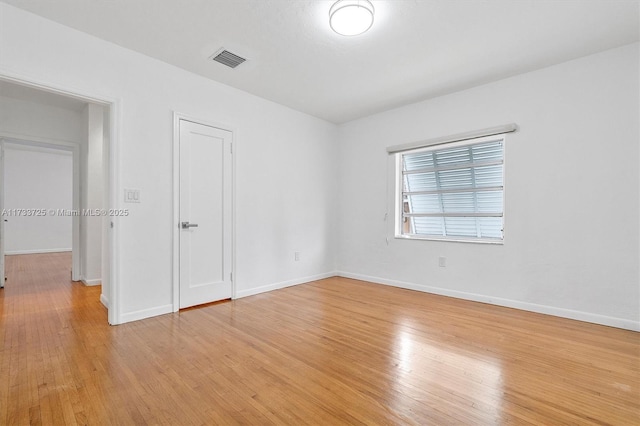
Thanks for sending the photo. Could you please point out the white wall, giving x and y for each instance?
(572, 189)
(91, 195)
(105, 275)
(29, 120)
(285, 160)
(37, 178)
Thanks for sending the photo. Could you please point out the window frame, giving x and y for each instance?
(399, 184)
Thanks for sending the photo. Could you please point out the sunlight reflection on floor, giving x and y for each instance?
(453, 375)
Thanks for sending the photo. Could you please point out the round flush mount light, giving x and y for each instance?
(351, 17)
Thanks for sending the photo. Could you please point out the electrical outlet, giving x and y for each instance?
(442, 261)
(296, 256)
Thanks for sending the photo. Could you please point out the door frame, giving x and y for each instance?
(175, 220)
(74, 148)
(3, 272)
(114, 315)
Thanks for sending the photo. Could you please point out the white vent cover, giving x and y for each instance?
(227, 58)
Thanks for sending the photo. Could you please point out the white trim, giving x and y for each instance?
(104, 301)
(177, 116)
(524, 306)
(419, 237)
(491, 131)
(90, 283)
(234, 150)
(36, 148)
(115, 121)
(37, 251)
(283, 284)
(175, 215)
(3, 275)
(145, 313)
(38, 139)
(34, 82)
(399, 196)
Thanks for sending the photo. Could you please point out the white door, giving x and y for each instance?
(2, 219)
(205, 214)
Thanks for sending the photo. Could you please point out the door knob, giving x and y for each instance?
(187, 225)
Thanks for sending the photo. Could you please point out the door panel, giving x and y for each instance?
(205, 204)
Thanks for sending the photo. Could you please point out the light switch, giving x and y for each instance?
(131, 195)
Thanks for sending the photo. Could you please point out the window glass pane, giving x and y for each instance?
(490, 151)
(457, 156)
(490, 227)
(420, 182)
(419, 160)
(489, 202)
(459, 202)
(488, 176)
(461, 226)
(455, 179)
(428, 226)
(424, 203)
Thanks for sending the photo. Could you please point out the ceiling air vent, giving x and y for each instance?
(227, 58)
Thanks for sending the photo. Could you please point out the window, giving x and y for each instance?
(452, 191)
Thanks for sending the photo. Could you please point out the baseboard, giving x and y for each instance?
(283, 284)
(97, 281)
(167, 309)
(37, 251)
(525, 306)
(104, 301)
(146, 313)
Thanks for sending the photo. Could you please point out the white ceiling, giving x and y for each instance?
(416, 49)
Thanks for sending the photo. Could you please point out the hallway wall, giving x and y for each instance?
(41, 180)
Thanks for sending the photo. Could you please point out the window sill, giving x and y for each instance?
(450, 239)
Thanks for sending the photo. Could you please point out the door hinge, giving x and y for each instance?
(231, 147)
(231, 276)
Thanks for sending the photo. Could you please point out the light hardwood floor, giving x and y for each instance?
(335, 351)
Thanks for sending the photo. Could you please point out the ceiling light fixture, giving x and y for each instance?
(351, 17)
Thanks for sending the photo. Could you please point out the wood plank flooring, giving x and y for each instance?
(336, 351)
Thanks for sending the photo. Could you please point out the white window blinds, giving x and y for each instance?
(453, 191)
